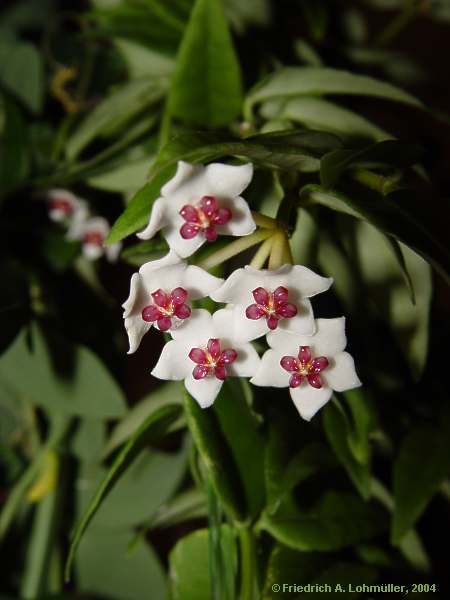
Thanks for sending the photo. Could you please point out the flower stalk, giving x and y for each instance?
(219, 257)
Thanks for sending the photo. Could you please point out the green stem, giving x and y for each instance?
(398, 23)
(277, 251)
(376, 182)
(264, 221)
(249, 579)
(262, 254)
(243, 243)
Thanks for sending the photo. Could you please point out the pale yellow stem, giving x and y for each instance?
(243, 243)
(262, 254)
(277, 252)
(264, 221)
(288, 259)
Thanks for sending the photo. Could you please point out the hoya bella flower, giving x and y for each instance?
(270, 300)
(204, 354)
(92, 233)
(63, 206)
(199, 203)
(160, 294)
(311, 366)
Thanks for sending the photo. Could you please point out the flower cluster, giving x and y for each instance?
(73, 212)
(306, 355)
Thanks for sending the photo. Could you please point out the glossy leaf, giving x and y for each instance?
(14, 147)
(22, 73)
(389, 214)
(290, 82)
(422, 464)
(61, 378)
(206, 86)
(337, 429)
(189, 564)
(389, 152)
(337, 520)
(153, 427)
(296, 150)
(188, 505)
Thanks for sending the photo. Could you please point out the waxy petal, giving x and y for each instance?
(157, 220)
(189, 214)
(209, 205)
(270, 373)
(261, 296)
(200, 372)
(309, 400)
(341, 374)
(214, 348)
(328, 340)
(254, 312)
(289, 363)
(183, 311)
(222, 216)
(228, 356)
(164, 323)
(241, 222)
(189, 231)
(174, 362)
(220, 372)
(210, 233)
(151, 313)
(198, 356)
(204, 391)
(178, 296)
(304, 354)
(160, 298)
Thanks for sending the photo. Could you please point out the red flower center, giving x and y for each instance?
(271, 305)
(94, 237)
(212, 360)
(203, 218)
(61, 204)
(167, 306)
(304, 367)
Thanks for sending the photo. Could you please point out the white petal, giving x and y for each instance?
(197, 329)
(270, 373)
(306, 282)
(247, 361)
(199, 283)
(171, 258)
(57, 215)
(244, 329)
(309, 400)
(228, 180)
(136, 329)
(174, 362)
(205, 391)
(112, 252)
(238, 288)
(92, 251)
(181, 246)
(166, 278)
(328, 340)
(341, 374)
(97, 224)
(185, 173)
(303, 323)
(241, 222)
(136, 291)
(157, 220)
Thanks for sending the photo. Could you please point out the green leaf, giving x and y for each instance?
(22, 72)
(59, 377)
(337, 520)
(116, 111)
(383, 278)
(323, 115)
(107, 567)
(142, 61)
(337, 429)
(422, 464)
(206, 87)
(363, 414)
(293, 150)
(241, 431)
(289, 568)
(217, 457)
(14, 147)
(389, 152)
(189, 564)
(184, 507)
(289, 82)
(168, 394)
(391, 215)
(152, 428)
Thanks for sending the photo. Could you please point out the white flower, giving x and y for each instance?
(203, 354)
(63, 206)
(312, 366)
(158, 295)
(266, 300)
(199, 203)
(92, 233)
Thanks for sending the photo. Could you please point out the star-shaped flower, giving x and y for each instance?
(270, 300)
(92, 233)
(199, 203)
(159, 295)
(312, 366)
(63, 206)
(204, 354)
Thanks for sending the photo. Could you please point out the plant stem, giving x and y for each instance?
(262, 254)
(277, 251)
(398, 23)
(288, 259)
(376, 182)
(243, 243)
(249, 581)
(264, 221)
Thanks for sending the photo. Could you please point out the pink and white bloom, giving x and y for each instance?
(160, 294)
(199, 203)
(311, 366)
(92, 233)
(204, 354)
(271, 300)
(63, 206)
